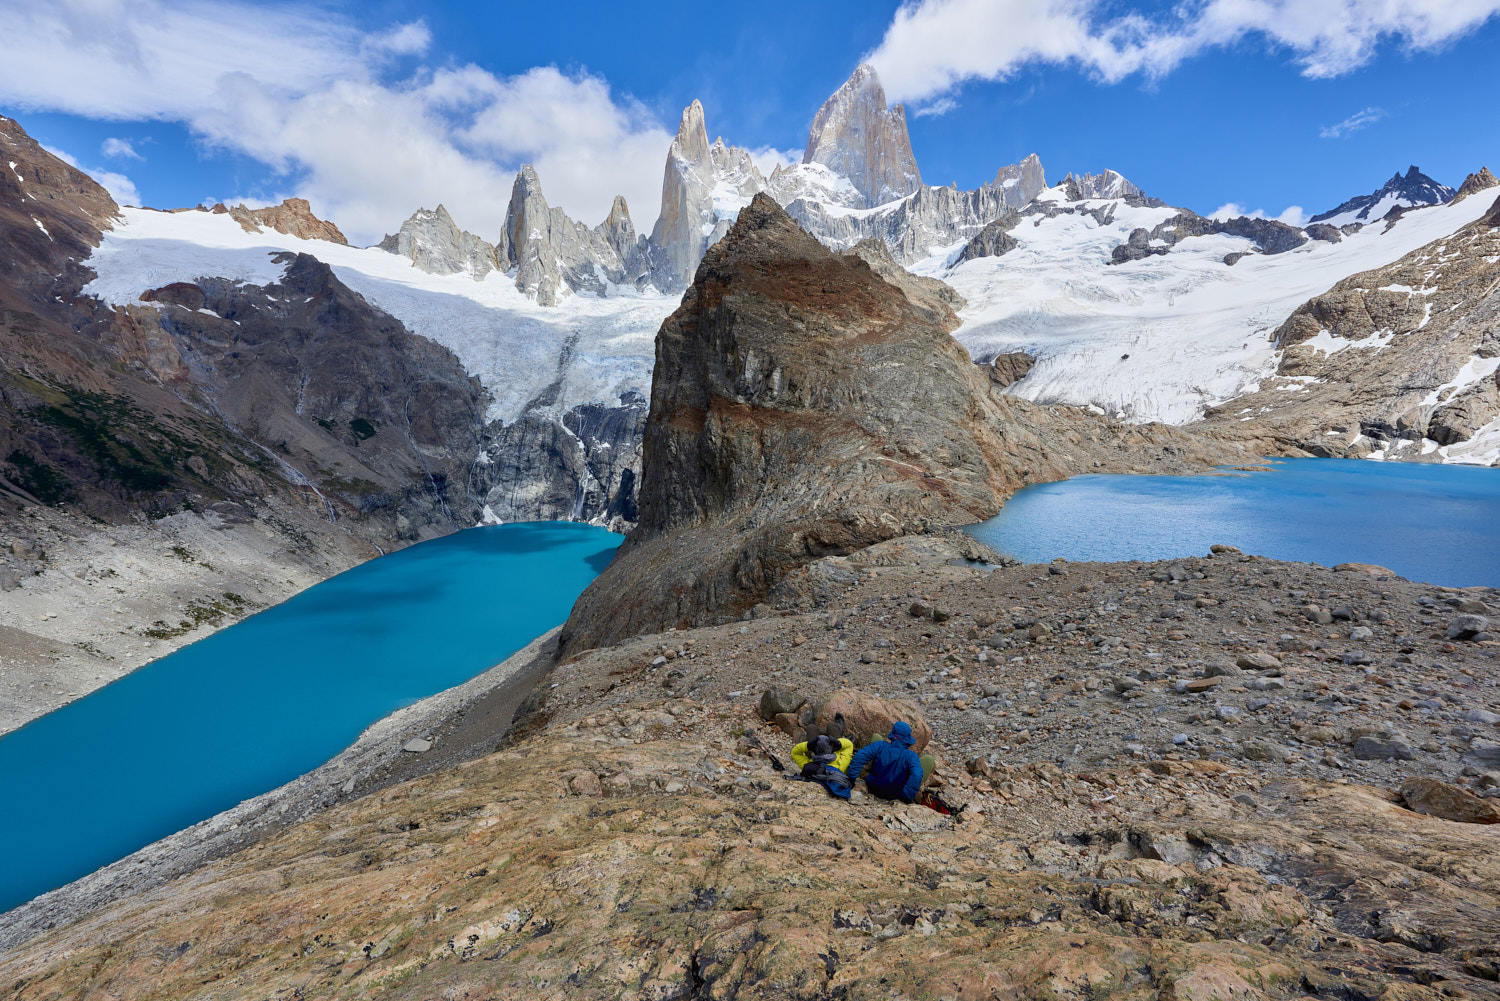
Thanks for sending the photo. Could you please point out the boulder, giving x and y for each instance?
(1372, 748)
(1466, 627)
(1436, 798)
(868, 716)
(1257, 661)
(777, 700)
(1369, 568)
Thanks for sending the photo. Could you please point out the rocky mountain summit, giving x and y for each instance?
(858, 136)
(1413, 189)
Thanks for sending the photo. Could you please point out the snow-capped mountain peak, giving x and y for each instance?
(1414, 189)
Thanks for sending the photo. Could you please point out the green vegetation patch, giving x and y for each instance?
(364, 429)
(212, 611)
(37, 478)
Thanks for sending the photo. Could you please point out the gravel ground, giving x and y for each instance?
(1283, 668)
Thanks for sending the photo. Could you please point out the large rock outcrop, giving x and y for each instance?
(294, 217)
(432, 241)
(858, 137)
(552, 255)
(801, 406)
(804, 406)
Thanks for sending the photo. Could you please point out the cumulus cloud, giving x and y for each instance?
(345, 115)
(119, 149)
(768, 158)
(1292, 215)
(1355, 122)
(121, 188)
(933, 46)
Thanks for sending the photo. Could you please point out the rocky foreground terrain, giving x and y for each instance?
(1223, 777)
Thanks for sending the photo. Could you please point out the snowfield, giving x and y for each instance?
(1163, 337)
(593, 349)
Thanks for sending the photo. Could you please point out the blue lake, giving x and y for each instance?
(1439, 524)
(259, 703)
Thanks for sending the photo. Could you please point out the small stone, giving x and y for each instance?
(1222, 669)
(417, 745)
(1179, 739)
(1202, 684)
(1360, 633)
(869, 657)
(919, 610)
(1472, 606)
(1480, 716)
(1354, 658)
(798, 640)
(1257, 660)
(777, 700)
(1039, 630)
(1371, 748)
(1318, 734)
(659, 661)
(1265, 684)
(1123, 685)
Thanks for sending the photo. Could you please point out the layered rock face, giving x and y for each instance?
(582, 467)
(294, 217)
(1399, 362)
(801, 406)
(858, 137)
(432, 241)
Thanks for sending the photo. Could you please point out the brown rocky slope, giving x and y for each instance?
(224, 439)
(803, 405)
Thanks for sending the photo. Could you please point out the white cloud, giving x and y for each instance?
(119, 149)
(932, 46)
(1292, 215)
(1355, 122)
(768, 158)
(308, 93)
(941, 106)
(121, 188)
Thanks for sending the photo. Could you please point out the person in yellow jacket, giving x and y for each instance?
(824, 750)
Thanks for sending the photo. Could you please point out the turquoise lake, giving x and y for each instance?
(259, 703)
(1439, 524)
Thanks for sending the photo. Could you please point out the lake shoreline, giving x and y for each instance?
(463, 722)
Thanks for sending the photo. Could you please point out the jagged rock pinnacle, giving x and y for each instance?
(857, 136)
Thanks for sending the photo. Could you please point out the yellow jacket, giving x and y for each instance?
(841, 757)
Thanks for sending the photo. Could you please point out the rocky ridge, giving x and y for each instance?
(1413, 189)
(1400, 362)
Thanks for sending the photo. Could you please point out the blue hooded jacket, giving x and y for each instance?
(895, 769)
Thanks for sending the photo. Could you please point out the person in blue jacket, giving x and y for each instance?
(895, 770)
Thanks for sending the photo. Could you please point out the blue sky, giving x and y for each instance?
(372, 110)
